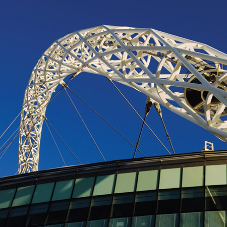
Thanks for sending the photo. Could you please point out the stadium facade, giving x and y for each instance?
(186, 190)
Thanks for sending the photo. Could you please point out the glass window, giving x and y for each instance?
(123, 205)
(104, 185)
(17, 215)
(125, 182)
(57, 225)
(6, 197)
(37, 214)
(192, 176)
(169, 201)
(83, 187)
(216, 197)
(23, 196)
(167, 220)
(3, 216)
(101, 207)
(147, 180)
(194, 219)
(215, 175)
(170, 178)
(146, 203)
(58, 212)
(76, 224)
(79, 209)
(120, 222)
(97, 223)
(192, 199)
(215, 218)
(63, 190)
(43, 193)
(143, 221)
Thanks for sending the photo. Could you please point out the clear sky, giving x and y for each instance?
(29, 27)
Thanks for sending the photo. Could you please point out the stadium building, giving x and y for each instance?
(186, 190)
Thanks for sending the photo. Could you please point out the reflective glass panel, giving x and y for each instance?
(167, 220)
(83, 187)
(120, 222)
(104, 185)
(23, 195)
(43, 193)
(192, 199)
(126, 182)
(97, 223)
(146, 203)
(63, 190)
(147, 180)
(143, 221)
(215, 175)
(6, 197)
(215, 218)
(194, 219)
(192, 176)
(170, 178)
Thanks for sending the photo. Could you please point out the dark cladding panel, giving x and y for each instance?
(146, 203)
(100, 207)
(79, 210)
(192, 199)
(37, 214)
(58, 212)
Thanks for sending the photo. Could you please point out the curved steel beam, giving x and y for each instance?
(167, 68)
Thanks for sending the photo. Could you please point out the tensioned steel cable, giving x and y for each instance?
(139, 116)
(9, 138)
(147, 110)
(37, 107)
(55, 144)
(10, 125)
(63, 140)
(158, 109)
(85, 125)
(105, 120)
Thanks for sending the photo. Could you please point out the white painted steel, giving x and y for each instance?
(162, 66)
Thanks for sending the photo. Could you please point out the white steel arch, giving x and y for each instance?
(185, 76)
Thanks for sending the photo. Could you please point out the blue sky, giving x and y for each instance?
(29, 27)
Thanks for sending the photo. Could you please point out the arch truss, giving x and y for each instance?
(187, 77)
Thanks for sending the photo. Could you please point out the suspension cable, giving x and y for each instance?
(158, 109)
(10, 142)
(9, 138)
(63, 140)
(10, 125)
(105, 120)
(147, 110)
(55, 144)
(37, 107)
(84, 123)
(139, 116)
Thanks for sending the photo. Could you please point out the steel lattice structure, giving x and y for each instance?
(187, 77)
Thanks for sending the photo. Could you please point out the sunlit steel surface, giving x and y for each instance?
(187, 77)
